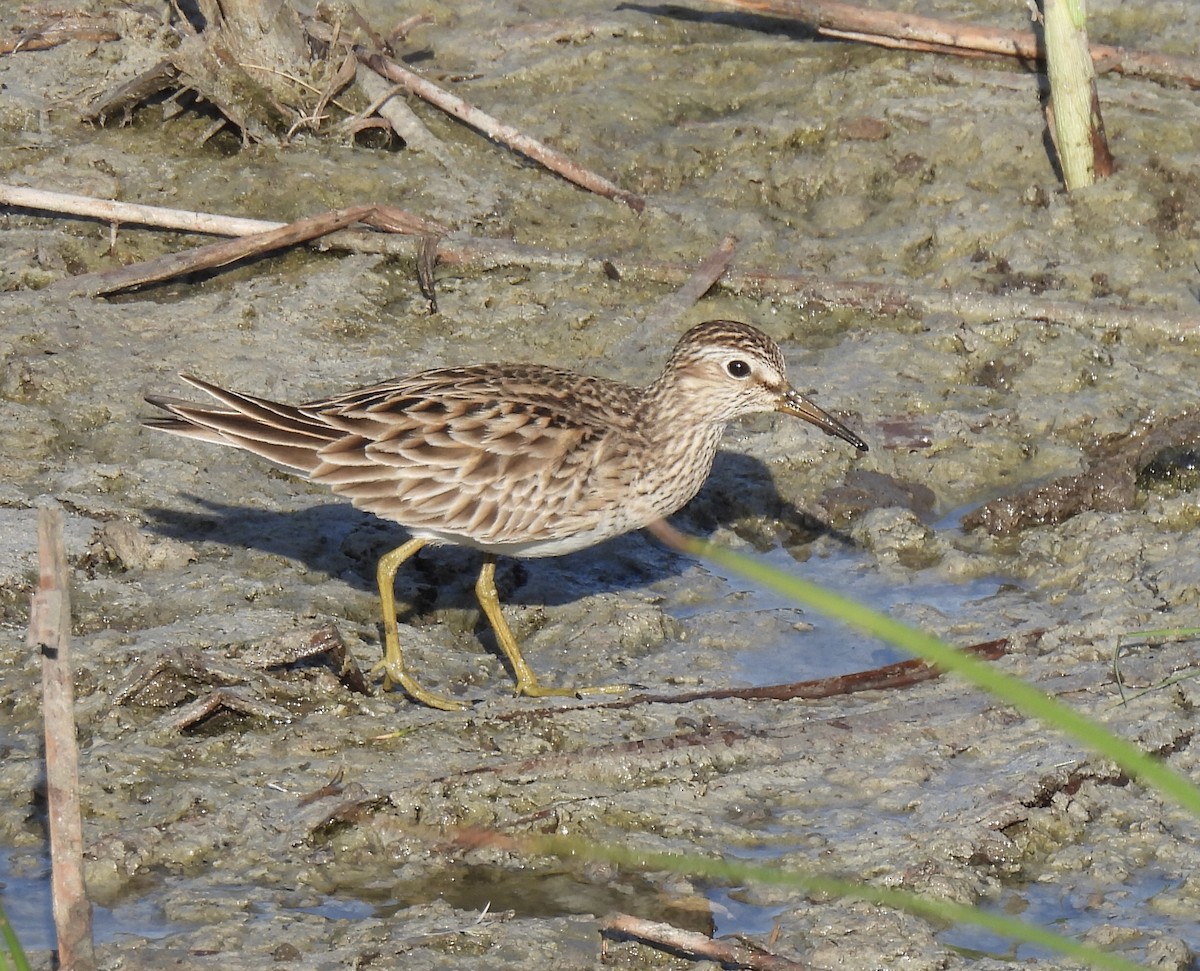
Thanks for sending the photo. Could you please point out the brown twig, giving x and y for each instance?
(902, 674)
(208, 257)
(667, 312)
(43, 40)
(396, 112)
(691, 945)
(807, 289)
(220, 254)
(497, 131)
(703, 278)
(888, 28)
(50, 633)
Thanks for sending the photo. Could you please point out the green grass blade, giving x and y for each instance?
(737, 872)
(12, 945)
(1028, 699)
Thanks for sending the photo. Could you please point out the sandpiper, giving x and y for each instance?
(511, 459)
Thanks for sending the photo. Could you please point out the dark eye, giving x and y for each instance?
(738, 368)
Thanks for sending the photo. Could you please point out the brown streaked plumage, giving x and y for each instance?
(514, 459)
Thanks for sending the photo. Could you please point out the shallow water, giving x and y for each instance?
(822, 648)
(26, 896)
(1084, 907)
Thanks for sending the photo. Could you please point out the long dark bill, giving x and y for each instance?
(794, 403)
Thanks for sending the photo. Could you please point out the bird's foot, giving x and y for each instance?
(602, 689)
(395, 676)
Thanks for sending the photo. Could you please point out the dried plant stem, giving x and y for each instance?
(698, 947)
(127, 212)
(668, 312)
(672, 307)
(50, 633)
(805, 289)
(43, 38)
(1077, 126)
(897, 29)
(504, 134)
(220, 254)
(398, 114)
(208, 257)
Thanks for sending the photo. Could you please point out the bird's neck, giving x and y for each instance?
(674, 403)
(684, 446)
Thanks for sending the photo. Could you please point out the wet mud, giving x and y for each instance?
(247, 801)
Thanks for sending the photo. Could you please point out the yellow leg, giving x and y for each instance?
(392, 665)
(527, 682)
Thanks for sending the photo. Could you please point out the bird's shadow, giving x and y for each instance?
(342, 542)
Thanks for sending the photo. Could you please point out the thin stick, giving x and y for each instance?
(831, 16)
(127, 212)
(696, 947)
(668, 310)
(897, 29)
(37, 40)
(230, 251)
(505, 134)
(208, 257)
(50, 633)
(902, 674)
(388, 218)
(903, 44)
(397, 113)
(806, 289)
